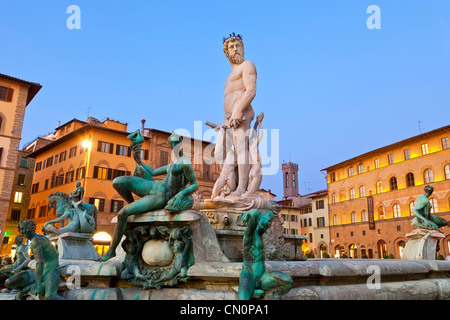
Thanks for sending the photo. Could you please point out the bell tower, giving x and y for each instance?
(290, 179)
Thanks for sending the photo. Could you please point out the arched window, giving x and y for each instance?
(362, 191)
(360, 168)
(396, 210)
(287, 180)
(381, 214)
(411, 206)
(393, 183)
(293, 179)
(447, 171)
(354, 219)
(350, 172)
(410, 180)
(333, 198)
(428, 176)
(352, 193)
(332, 177)
(379, 186)
(434, 204)
(364, 217)
(335, 220)
(310, 222)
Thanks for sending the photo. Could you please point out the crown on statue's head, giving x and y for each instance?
(232, 35)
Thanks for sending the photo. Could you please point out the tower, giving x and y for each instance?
(290, 179)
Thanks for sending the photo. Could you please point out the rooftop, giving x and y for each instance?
(388, 147)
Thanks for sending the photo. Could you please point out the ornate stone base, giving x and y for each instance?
(75, 246)
(422, 244)
(224, 216)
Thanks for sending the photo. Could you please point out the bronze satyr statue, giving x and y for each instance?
(254, 279)
(45, 279)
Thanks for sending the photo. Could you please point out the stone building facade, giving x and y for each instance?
(15, 96)
(94, 153)
(371, 195)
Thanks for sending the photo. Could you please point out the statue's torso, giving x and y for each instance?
(235, 89)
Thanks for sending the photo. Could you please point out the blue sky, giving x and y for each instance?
(333, 87)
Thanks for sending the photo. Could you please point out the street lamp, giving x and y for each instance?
(86, 144)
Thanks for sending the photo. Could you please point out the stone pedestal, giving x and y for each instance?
(422, 244)
(205, 245)
(75, 246)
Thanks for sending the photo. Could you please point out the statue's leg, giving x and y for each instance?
(21, 281)
(278, 282)
(51, 285)
(242, 153)
(147, 203)
(123, 186)
(439, 221)
(246, 285)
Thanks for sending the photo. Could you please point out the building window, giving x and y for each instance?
(105, 147)
(362, 191)
(116, 205)
(123, 150)
(428, 176)
(391, 159)
(35, 188)
(21, 179)
(445, 144)
(99, 203)
(424, 148)
(38, 166)
(333, 198)
(364, 216)
(31, 213)
(80, 173)
(379, 186)
(393, 183)
(352, 194)
(287, 180)
(15, 214)
(447, 171)
(335, 220)
(72, 152)
(42, 211)
(350, 172)
(321, 222)
(411, 206)
(101, 173)
(381, 214)
(354, 219)
(24, 162)
(434, 205)
(377, 163)
(164, 160)
(320, 204)
(6, 94)
(407, 154)
(410, 180)
(332, 177)
(18, 197)
(69, 176)
(360, 168)
(62, 156)
(396, 210)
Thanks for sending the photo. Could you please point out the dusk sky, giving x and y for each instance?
(333, 87)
